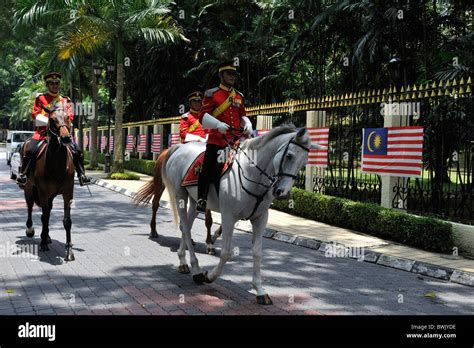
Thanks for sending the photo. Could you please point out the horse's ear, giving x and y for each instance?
(301, 132)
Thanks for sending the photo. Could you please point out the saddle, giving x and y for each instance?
(192, 174)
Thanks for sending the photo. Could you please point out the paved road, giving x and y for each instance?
(119, 270)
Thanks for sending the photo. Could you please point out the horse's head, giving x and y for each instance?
(290, 158)
(59, 125)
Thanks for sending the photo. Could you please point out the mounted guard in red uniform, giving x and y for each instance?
(43, 102)
(222, 110)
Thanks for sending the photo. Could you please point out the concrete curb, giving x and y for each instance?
(339, 250)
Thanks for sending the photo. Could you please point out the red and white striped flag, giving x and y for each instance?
(262, 132)
(129, 146)
(111, 143)
(156, 143)
(393, 151)
(141, 143)
(320, 136)
(102, 142)
(175, 139)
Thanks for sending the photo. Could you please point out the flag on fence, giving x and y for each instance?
(156, 143)
(111, 143)
(262, 131)
(129, 147)
(319, 158)
(141, 143)
(393, 151)
(102, 142)
(175, 139)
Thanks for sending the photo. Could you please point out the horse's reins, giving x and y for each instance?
(273, 179)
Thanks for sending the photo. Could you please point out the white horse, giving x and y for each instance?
(264, 168)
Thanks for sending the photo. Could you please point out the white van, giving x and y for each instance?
(15, 138)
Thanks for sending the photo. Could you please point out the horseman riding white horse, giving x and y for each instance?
(245, 191)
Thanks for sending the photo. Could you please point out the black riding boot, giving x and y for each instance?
(24, 172)
(79, 164)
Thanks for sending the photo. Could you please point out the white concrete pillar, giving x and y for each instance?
(314, 119)
(264, 122)
(388, 182)
(158, 129)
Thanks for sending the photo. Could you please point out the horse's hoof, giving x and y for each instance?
(206, 279)
(264, 300)
(153, 234)
(69, 257)
(199, 278)
(211, 251)
(49, 240)
(184, 269)
(30, 232)
(193, 242)
(44, 247)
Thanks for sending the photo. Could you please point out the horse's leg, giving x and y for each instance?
(186, 236)
(258, 226)
(217, 234)
(227, 231)
(45, 240)
(67, 223)
(209, 242)
(30, 201)
(155, 206)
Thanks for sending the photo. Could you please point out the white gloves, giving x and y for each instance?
(211, 122)
(246, 125)
(41, 120)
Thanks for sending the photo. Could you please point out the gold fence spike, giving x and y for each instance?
(433, 93)
(468, 89)
(440, 84)
(461, 90)
(414, 87)
(453, 91)
(448, 84)
(440, 92)
(462, 81)
(469, 80)
(408, 88)
(427, 95)
(420, 95)
(454, 83)
(433, 85)
(402, 90)
(427, 85)
(413, 96)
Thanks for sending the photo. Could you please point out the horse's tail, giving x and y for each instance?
(171, 192)
(154, 186)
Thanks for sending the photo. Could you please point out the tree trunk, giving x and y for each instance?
(95, 104)
(118, 134)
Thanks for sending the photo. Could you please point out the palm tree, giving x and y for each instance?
(98, 23)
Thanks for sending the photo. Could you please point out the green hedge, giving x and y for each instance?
(123, 176)
(420, 232)
(135, 164)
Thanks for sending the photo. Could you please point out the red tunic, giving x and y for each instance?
(190, 124)
(232, 115)
(46, 99)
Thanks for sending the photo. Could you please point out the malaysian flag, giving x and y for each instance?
(111, 143)
(156, 143)
(129, 147)
(141, 143)
(102, 142)
(393, 151)
(175, 139)
(262, 131)
(320, 136)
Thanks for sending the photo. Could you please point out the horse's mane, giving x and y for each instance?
(258, 142)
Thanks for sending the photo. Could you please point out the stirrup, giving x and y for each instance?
(21, 180)
(84, 180)
(201, 205)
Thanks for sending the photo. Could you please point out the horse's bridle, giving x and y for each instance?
(273, 179)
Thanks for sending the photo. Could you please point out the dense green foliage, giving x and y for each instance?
(421, 232)
(286, 49)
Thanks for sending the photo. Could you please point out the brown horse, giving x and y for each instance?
(155, 188)
(53, 174)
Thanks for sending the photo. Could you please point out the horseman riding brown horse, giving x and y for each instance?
(52, 175)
